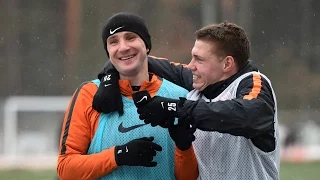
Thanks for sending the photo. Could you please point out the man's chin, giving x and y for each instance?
(197, 86)
(200, 86)
(130, 71)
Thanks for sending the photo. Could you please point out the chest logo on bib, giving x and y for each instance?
(130, 128)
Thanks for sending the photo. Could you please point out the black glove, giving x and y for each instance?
(182, 133)
(138, 152)
(108, 97)
(157, 110)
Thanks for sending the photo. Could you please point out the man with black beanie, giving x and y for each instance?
(118, 23)
(99, 142)
(233, 107)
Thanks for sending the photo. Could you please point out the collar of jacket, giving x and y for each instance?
(214, 90)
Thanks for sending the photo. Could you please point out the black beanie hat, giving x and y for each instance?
(126, 21)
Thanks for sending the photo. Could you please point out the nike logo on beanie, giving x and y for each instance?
(112, 32)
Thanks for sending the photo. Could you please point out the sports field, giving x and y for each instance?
(289, 171)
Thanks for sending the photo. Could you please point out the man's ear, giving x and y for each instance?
(229, 64)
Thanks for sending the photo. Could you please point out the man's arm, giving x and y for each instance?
(249, 115)
(186, 165)
(79, 126)
(176, 73)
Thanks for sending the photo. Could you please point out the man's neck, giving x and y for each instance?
(138, 79)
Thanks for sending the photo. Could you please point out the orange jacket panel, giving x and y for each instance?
(79, 127)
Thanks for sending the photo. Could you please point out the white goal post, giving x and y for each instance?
(13, 105)
(10, 157)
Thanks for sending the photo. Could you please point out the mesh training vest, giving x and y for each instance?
(108, 135)
(223, 156)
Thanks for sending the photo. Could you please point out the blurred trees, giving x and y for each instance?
(50, 47)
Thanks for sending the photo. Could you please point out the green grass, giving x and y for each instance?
(19, 174)
(300, 171)
(288, 171)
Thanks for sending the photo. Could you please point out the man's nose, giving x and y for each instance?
(123, 46)
(191, 65)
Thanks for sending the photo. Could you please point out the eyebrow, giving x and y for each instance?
(197, 56)
(111, 37)
(128, 33)
(125, 34)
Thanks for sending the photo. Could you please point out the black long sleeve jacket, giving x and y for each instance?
(253, 119)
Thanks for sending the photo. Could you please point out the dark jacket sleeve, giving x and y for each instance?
(173, 72)
(250, 114)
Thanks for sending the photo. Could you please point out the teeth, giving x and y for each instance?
(194, 77)
(125, 58)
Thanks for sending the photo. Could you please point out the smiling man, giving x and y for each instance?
(118, 145)
(233, 107)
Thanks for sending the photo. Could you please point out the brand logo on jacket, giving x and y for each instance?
(130, 128)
